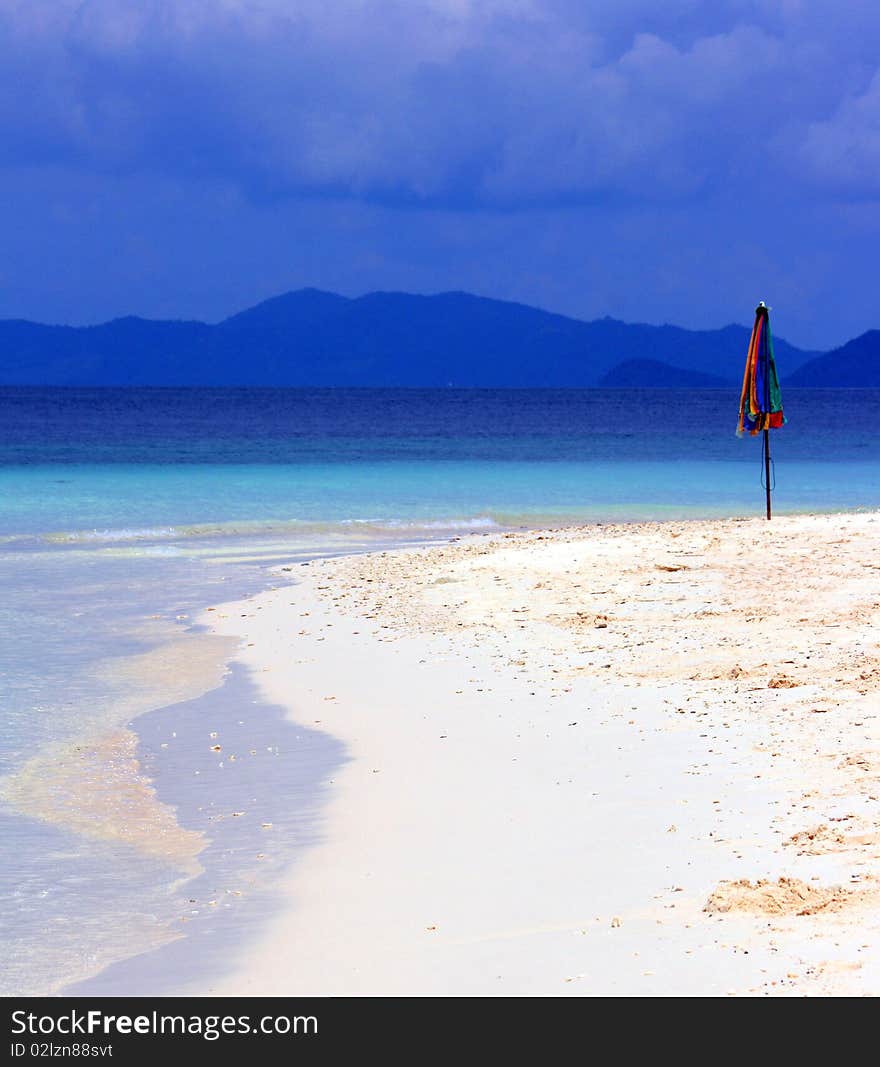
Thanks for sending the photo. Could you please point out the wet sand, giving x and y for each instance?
(633, 759)
(247, 783)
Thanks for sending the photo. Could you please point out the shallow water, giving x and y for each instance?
(104, 845)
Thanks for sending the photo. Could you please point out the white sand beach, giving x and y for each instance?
(639, 759)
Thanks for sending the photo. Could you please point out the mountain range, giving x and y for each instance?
(314, 338)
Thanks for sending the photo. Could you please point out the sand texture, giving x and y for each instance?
(633, 759)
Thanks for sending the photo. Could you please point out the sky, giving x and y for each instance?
(656, 162)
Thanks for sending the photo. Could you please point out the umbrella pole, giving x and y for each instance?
(767, 468)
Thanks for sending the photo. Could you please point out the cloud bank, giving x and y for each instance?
(499, 105)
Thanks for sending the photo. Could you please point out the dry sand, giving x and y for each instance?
(634, 759)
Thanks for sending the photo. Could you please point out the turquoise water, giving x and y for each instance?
(127, 502)
(123, 512)
(141, 464)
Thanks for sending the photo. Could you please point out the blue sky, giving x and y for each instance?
(658, 162)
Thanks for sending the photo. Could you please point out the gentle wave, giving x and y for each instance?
(148, 533)
(162, 538)
(294, 527)
(482, 522)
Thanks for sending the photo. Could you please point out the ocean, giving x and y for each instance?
(125, 512)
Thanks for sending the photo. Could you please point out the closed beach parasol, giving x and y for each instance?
(760, 404)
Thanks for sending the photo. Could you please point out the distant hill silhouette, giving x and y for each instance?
(854, 365)
(314, 338)
(652, 374)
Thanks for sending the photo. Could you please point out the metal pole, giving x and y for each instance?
(767, 468)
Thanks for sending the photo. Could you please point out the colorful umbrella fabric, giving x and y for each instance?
(760, 404)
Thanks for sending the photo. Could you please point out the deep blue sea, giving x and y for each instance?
(123, 512)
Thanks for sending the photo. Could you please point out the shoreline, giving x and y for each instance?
(519, 818)
(120, 813)
(257, 808)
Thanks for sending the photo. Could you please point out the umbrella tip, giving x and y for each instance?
(761, 307)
